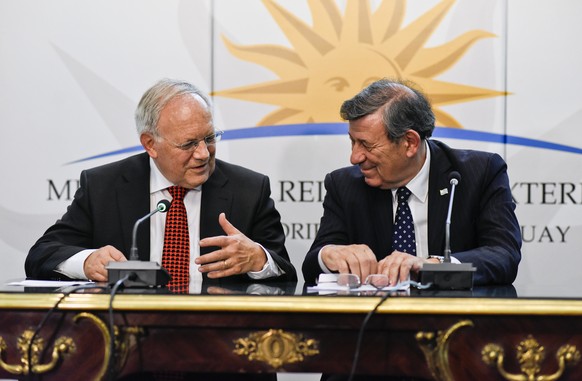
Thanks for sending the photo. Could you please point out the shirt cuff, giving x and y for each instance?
(321, 264)
(73, 266)
(269, 270)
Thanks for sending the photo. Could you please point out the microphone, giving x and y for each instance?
(454, 179)
(140, 273)
(447, 275)
(162, 207)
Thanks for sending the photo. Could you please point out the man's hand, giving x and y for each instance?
(350, 259)
(94, 266)
(399, 265)
(237, 254)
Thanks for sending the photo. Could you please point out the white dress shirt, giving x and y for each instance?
(418, 203)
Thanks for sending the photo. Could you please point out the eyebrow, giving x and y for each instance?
(358, 140)
(203, 137)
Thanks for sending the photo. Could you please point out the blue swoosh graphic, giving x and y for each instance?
(342, 129)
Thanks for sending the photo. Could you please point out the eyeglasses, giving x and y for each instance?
(192, 145)
(378, 281)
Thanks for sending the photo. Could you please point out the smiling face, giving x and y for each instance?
(385, 164)
(184, 118)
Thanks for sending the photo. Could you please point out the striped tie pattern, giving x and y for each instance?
(176, 252)
(403, 238)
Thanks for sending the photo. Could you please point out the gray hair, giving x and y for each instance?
(155, 99)
(404, 108)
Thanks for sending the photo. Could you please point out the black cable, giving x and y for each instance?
(111, 366)
(71, 290)
(361, 335)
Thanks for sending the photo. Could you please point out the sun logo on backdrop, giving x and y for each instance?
(333, 59)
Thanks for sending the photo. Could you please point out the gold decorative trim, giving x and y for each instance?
(275, 347)
(297, 304)
(530, 355)
(435, 346)
(106, 339)
(123, 341)
(30, 350)
(126, 339)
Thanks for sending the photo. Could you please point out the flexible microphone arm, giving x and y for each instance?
(162, 207)
(447, 275)
(454, 179)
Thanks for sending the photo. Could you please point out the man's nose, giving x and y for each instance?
(201, 152)
(357, 156)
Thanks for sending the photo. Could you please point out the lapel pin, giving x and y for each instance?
(444, 191)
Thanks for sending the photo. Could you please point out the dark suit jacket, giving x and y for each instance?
(484, 228)
(111, 198)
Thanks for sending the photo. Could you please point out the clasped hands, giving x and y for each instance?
(361, 261)
(237, 254)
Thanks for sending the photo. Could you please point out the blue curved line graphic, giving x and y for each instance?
(342, 129)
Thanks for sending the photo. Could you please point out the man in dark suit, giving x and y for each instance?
(390, 124)
(234, 230)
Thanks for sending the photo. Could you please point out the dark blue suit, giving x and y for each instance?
(484, 228)
(112, 197)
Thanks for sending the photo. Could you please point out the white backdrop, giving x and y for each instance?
(72, 72)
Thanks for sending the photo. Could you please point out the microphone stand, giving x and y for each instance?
(447, 251)
(139, 273)
(447, 275)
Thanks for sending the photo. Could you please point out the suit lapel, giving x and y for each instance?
(438, 200)
(381, 213)
(216, 198)
(133, 200)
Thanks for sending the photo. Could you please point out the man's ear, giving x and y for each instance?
(412, 141)
(148, 143)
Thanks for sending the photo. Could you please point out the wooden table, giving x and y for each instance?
(452, 336)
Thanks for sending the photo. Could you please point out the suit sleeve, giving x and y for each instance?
(332, 230)
(497, 251)
(68, 236)
(267, 230)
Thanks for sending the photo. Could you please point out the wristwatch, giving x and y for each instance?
(439, 257)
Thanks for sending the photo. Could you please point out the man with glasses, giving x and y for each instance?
(233, 229)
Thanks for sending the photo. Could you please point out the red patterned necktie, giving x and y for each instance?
(176, 253)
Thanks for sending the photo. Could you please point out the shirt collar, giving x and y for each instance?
(418, 186)
(158, 181)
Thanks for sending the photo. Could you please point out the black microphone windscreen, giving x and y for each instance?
(163, 206)
(454, 176)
